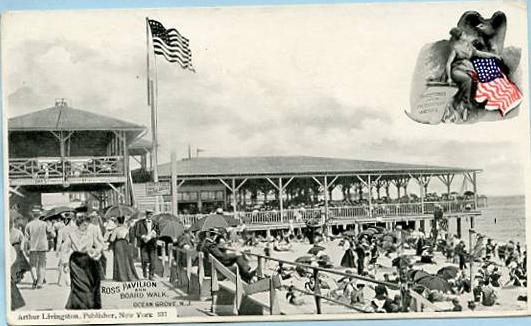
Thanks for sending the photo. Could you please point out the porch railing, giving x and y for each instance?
(43, 168)
(339, 213)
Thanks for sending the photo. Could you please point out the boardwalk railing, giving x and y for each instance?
(315, 273)
(340, 213)
(203, 277)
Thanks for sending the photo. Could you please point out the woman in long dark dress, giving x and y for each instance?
(17, 301)
(85, 268)
(21, 264)
(349, 258)
(360, 253)
(123, 266)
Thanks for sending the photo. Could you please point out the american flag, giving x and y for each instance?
(494, 87)
(170, 44)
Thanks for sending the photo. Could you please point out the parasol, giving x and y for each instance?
(57, 212)
(417, 274)
(325, 261)
(209, 222)
(165, 217)
(121, 210)
(401, 261)
(231, 220)
(448, 272)
(308, 260)
(315, 249)
(433, 282)
(171, 229)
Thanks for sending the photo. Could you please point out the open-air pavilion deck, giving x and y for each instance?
(298, 180)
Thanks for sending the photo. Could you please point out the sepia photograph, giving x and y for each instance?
(261, 163)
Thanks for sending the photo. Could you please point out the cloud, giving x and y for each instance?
(254, 94)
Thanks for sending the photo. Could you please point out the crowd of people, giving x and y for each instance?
(363, 254)
(81, 241)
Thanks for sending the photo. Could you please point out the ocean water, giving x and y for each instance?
(504, 219)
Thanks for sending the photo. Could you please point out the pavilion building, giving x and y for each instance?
(244, 185)
(62, 149)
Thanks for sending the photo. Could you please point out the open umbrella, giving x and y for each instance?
(315, 249)
(433, 282)
(402, 261)
(448, 272)
(165, 217)
(305, 260)
(376, 229)
(121, 210)
(308, 260)
(209, 222)
(416, 274)
(171, 229)
(231, 220)
(325, 261)
(57, 212)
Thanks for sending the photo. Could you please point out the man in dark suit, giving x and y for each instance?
(146, 232)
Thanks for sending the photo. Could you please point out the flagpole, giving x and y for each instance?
(147, 63)
(153, 106)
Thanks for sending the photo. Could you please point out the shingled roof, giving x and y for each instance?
(63, 117)
(294, 165)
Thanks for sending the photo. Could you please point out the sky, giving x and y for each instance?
(311, 80)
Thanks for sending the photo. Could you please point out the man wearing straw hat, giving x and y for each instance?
(146, 232)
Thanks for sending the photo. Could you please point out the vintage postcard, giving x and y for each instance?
(260, 163)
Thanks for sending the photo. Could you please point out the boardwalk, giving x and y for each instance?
(53, 297)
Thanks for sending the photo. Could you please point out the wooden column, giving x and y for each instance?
(280, 200)
(326, 198)
(234, 202)
(369, 188)
(174, 203)
(126, 169)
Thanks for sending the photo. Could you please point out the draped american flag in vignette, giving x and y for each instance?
(170, 44)
(494, 87)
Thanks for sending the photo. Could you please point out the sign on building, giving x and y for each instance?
(158, 188)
